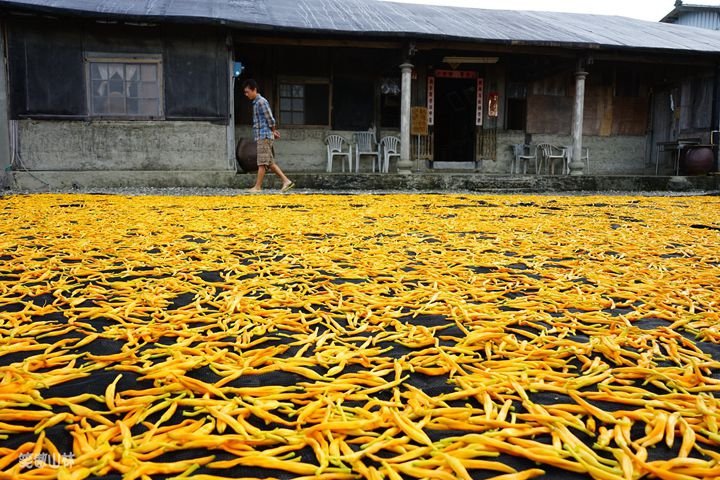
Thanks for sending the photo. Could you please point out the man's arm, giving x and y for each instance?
(267, 113)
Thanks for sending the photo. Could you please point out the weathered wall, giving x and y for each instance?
(617, 155)
(303, 150)
(123, 145)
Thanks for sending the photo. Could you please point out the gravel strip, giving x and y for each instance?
(231, 192)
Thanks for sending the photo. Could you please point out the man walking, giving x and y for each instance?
(264, 132)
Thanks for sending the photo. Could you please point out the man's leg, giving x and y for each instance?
(259, 180)
(276, 169)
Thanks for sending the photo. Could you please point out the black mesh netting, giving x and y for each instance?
(358, 337)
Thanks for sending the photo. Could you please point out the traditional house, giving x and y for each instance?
(149, 93)
(701, 16)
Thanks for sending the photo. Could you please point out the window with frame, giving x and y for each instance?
(304, 103)
(390, 102)
(353, 105)
(126, 88)
(627, 83)
(516, 111)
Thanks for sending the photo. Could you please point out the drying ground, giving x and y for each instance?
(368, 336)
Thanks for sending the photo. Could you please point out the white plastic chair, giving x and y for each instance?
(335, 148)
(365, 144)
(552, 153)
(585, 158)
(390, 147)
(521, 158)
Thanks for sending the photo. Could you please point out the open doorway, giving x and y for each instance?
(454, 129)
(665, 121)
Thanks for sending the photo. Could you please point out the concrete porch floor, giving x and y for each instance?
(38, 181)
(479, 182)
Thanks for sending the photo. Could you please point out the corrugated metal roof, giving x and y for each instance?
(373, 17)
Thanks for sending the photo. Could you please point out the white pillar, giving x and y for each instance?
(404, 164)
(576, 163)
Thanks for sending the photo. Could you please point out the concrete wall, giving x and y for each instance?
(201, 146)
(303, 150)
(619, 155)
(123, 145)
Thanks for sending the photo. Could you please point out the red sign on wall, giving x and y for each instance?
(493, 99)
(455, 74)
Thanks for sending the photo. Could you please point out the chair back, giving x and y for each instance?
(546, 149)
(335, 143)
(523, 150)
(390, 144)
(365, 141)
(549, 150)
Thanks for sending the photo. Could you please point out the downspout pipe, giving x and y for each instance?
(715, 126)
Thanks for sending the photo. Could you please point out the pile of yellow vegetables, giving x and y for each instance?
(367, 336)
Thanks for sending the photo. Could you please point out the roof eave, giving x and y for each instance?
(259, 27)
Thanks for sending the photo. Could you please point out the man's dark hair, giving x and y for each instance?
(250, 83)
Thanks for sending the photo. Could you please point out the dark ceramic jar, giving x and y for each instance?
(699, 161)
(246, 155)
